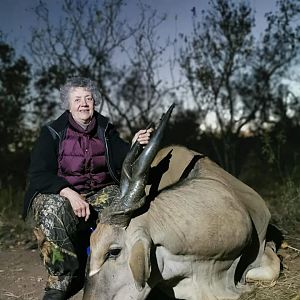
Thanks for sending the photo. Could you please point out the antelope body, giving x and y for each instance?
(200, 236)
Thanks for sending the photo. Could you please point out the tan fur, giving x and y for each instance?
(139, 263)
(200, 228)
(179, 159)
(101, 241)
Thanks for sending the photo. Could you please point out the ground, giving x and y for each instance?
(22, 276)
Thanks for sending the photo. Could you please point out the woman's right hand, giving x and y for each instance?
(80, 207)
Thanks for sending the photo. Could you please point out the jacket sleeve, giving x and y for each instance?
(43, 167)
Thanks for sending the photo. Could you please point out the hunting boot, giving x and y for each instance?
(53, 294)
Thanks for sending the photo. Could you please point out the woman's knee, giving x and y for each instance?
(54, 217)
(52, 206)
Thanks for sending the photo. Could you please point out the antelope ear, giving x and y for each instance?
(139, 262)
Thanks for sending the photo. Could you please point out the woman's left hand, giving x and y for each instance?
(142, 136)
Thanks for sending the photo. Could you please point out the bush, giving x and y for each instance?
(285, 206)
(11, 203)
(13, 230)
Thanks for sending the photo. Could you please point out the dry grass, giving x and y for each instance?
(287, 287)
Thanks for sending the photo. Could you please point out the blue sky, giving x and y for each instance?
(17, 17)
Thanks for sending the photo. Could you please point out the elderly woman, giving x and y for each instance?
(74, 173)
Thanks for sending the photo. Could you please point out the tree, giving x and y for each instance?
(183, 129)
(89, 41)
(233, 76)
(141, 89)
(276, 55)
(214, 60)
(14, 98)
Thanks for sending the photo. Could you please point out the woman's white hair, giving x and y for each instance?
(76, 82)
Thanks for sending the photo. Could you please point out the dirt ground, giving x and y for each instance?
(22, 276)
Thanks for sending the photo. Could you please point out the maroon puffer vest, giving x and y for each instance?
(81, 158)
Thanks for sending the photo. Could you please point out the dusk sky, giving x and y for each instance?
(17, 17)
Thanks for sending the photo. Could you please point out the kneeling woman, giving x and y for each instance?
(74, 172)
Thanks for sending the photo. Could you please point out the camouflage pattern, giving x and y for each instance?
(63, 237)
(103, 198)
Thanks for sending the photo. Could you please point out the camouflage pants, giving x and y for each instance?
(63, 237)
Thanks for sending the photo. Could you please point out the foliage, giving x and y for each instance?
(230, 74)
(87, 41)
(272, 148)
(11, 201)
(281, 150)
(141, 92)
(276, 56)
(236, 78)
(215, 60)
(14, 82)
(287, 206)
(184, 129)
(13, 230)
(14, 99)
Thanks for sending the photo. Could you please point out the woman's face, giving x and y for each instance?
(81, 105)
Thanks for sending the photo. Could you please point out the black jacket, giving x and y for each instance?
(43, 167)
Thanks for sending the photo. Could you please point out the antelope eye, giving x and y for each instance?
(113, 253)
